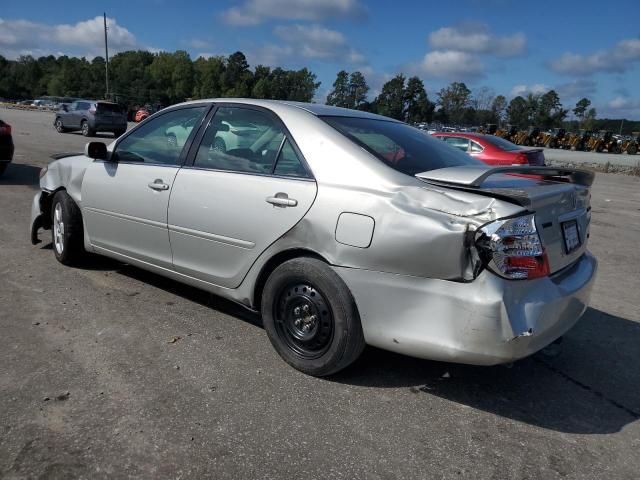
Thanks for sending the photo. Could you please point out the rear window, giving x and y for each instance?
(401, 147)
(501, 143)
(109, 107)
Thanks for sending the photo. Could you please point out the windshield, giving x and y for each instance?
(109, 107)
(501, 143)
(401, 147)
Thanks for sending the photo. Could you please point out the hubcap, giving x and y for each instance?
(304, 320)
(58, 229)
(85, 128)
(59, 125)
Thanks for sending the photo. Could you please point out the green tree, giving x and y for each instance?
(390, 102)
(237, 78)
(590, 119)
(453, 100)
(339, 96)
(358, 90)
(581, 109)
(417, 107)
(208, 77)
(550, 112)
(518, 112)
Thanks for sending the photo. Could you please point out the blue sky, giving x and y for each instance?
(579, 48)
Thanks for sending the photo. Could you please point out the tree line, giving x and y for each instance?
(141, 77)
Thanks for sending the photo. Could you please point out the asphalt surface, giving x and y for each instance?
(109, 372)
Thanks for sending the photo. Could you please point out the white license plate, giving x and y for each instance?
(571, 236)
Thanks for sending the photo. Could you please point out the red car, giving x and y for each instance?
(141, 114)
(493, 150)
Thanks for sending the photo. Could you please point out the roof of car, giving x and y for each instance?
(461, 134)
(314, 108)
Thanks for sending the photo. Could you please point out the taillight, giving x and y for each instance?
(512, 248)
(521, 159)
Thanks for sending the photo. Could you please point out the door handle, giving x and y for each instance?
(158, 184)
(282, 200)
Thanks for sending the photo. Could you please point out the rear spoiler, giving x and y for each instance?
(474, 176)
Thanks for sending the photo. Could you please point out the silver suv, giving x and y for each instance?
(91, 116)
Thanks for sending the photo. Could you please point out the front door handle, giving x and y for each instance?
(282, 200)
(158, 184)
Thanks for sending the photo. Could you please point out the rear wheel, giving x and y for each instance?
(67, 232)
(632, 150)
(86, 130)
(311, 317)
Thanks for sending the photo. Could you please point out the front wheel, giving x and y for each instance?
(311, 317)
(60, 126)
(67, 232)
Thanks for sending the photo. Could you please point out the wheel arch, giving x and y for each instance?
(274, 262)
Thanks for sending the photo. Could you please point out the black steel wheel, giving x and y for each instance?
(304, 319)
(311, 318)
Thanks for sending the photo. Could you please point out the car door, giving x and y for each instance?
(69, 118)
(231, 203)
(125, 199)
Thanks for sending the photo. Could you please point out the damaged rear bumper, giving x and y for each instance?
(485, 322)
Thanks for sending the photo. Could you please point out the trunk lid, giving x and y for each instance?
(559, 198)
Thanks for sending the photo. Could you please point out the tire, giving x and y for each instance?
(118, 133)
(219, 145)
(67, 234)
(3, 167)
(311, 317)
(553, 143)
(86, 130)
(59, 126)
(632, 150)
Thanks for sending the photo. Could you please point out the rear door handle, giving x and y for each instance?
(158, 184)
(282, 200)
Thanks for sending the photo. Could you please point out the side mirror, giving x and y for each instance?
(223, 127)
(96, 150)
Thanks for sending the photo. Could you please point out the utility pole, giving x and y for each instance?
(106, 57)
(621, 124)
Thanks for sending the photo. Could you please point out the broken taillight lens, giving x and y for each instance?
(512, 248)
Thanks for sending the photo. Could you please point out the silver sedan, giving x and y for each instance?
(342, 228)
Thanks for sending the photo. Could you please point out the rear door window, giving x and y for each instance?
(398, 145)
(459, 142)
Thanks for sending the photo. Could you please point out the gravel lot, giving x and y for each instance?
(109, 371)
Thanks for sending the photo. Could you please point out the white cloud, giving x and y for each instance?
(620, 107)
(614, 60)
(22, 37)
(254, 12)
(317, 42)
(523, 90)
(451, 65)
(576, 89)
(476, 38)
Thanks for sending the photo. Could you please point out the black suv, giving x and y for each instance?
(91, 116)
